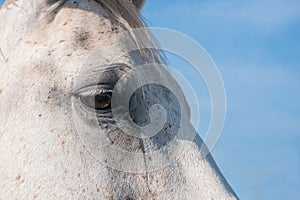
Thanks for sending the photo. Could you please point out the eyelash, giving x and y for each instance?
(94, 92)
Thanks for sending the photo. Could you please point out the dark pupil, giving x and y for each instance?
(98, 102)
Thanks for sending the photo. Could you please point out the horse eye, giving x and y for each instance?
(75, 2)
(98, 102)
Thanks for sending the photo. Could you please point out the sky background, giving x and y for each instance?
(256, 46)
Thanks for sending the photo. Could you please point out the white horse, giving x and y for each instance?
(59, 63)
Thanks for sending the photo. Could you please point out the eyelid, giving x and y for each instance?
(94, 90)
(100, 75)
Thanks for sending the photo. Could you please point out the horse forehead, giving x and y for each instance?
(70, 40)
(80, 25)
(57, 50)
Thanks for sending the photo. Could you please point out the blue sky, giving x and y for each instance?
(256, 46)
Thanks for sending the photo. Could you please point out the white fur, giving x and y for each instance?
(41, 155)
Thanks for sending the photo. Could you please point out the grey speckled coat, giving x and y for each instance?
(43, 45)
